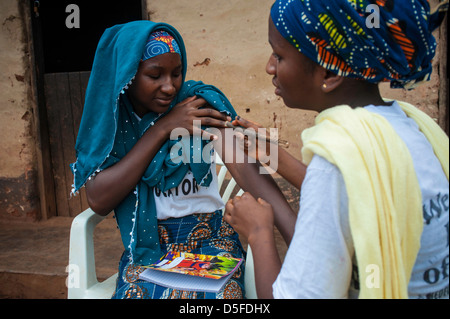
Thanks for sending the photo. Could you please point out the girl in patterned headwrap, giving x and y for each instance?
(374, 205)
(129, 162)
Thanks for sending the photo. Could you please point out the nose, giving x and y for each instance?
(271, 66)
(168, 87)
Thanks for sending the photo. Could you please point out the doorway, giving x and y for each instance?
(65, 37)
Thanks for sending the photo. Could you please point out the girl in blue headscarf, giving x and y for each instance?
(374, 212)
(162, 188)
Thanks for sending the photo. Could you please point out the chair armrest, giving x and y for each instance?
(82, 274)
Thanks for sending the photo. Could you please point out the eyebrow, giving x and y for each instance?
(159, 67)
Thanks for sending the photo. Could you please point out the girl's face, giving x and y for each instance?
(157, 82)
(293, 73)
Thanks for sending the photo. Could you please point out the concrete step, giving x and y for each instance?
(34, 256)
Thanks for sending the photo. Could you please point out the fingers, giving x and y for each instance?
(248, 215)
(232, 208)
(189, 100)
(243, 198)
(229, 207)
(239, 121)
(208, 115)
(263, 202)
(246, 198)
(213, 113)
(213, 122)
(204, 134)
(212, 118)
(247, 195)
(206, 112)
(197, 109)
(194, 102)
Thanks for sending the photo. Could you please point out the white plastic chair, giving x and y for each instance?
(82, 280)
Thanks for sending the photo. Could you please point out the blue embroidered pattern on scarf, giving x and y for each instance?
(160, 42)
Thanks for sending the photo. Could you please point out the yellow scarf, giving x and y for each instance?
(385, 201)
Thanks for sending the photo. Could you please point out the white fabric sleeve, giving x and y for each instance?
(318, 263)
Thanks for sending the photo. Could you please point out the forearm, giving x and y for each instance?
(111, 186)
(263, 186)
(277, 159)
(290, 168)
(267, 263)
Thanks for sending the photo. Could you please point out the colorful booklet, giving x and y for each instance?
(191, 272)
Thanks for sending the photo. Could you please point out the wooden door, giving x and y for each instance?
(64, 53)
(64, 100)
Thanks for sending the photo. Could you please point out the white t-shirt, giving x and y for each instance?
(189, 198)
(320, 261)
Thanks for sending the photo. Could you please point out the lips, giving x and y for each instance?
(164, 101)
(277, 89)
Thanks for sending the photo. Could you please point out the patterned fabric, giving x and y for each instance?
(375, 40)
(206, 234)
(160, 42)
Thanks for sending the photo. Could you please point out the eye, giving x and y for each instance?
(276, 56)
(177, 72)
(154, 76)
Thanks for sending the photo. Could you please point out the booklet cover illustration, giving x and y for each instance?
(192, 272)
(214, 267)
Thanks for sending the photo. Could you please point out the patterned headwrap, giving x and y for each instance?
(160, 42)
(375, 40)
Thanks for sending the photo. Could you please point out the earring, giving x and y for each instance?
(324, 86)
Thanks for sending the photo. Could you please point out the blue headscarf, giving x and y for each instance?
(109, 129)
(350, 38)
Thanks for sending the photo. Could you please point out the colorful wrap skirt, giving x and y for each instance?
(206, 234)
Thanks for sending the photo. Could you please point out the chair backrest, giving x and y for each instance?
(221, 178)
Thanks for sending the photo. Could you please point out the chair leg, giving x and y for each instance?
(82, 274)
(250, 286)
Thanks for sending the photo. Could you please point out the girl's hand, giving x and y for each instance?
(186, 112)
(249, 217)
(250, 144)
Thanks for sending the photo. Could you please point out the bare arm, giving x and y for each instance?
(288, 166)
(254, 220)
(248, 177)
(109, 187)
